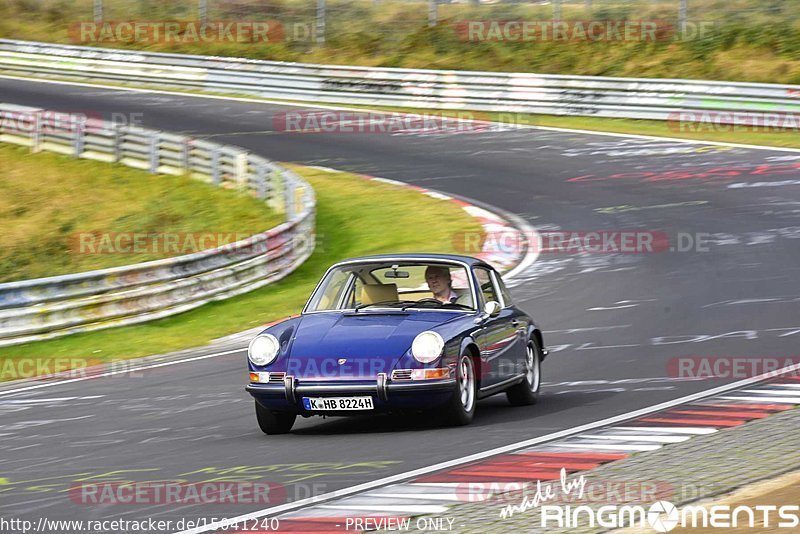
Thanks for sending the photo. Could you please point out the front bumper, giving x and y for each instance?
(388, 395)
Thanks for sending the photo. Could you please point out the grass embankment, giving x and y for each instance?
(61, 215)
(778, 492)
(354, 217)
(747, 40)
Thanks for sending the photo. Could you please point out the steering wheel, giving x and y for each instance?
(430, 301)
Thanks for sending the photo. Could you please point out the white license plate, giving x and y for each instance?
(337, 403)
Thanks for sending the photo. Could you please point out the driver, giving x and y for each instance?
(440, 283)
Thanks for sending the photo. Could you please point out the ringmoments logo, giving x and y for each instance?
(663, 516)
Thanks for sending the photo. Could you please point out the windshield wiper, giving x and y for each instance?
(439, 303)
(382, 303)
(463, 306)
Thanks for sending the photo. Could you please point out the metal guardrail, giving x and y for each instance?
(50, 307)
(659, 99)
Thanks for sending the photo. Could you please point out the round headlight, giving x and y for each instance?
(263, 349)
(427, 347)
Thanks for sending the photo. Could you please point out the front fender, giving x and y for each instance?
(535, 333)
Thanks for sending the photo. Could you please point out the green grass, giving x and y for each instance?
(750, 40)
(354, 217)
(50, 203)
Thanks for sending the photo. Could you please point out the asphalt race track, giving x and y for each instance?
(614, 322)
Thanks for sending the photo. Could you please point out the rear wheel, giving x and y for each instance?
(461, 408)
(274, 422)
(527, 391)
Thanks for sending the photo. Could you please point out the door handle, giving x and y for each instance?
(515, 323)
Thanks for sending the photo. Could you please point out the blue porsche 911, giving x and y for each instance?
(397, 333)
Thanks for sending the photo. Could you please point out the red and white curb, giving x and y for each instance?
(438, 492)
(506, 259)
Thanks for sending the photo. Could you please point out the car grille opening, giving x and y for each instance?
(276, 378)
(401, 374)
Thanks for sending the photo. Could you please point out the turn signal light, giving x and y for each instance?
(430, 374)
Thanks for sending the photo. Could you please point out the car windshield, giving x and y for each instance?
(398, 285)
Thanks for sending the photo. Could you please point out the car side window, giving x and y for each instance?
(507, 301)
(486, 285)
(328, 297)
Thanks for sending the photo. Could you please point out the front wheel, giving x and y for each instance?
(527, 391)
(274, 422)
(461, 408)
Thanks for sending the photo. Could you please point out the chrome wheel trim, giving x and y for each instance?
(466, 383)
(532, 363)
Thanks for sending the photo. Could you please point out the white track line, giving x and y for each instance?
(766, 400)
(779, 392)
(635, 438)
(532, 254)
(609, 448)
(401, 477)
(112, 373)
(698, 431)
(367, 110)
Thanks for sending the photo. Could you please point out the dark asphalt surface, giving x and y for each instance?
(613, 321)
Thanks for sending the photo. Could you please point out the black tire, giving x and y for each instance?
(460, 410)
(274, 422)
(527, 392)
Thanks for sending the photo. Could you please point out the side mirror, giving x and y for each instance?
(492, 308)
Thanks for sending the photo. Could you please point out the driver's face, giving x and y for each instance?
(437, 281)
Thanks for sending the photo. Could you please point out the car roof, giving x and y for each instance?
(422, 256)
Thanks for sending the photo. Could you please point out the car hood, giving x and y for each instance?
(368, 342)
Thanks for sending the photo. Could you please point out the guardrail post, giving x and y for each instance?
(80, 138)
(117, 140)
(683, 11)
(154, 159)
(202, 12)
(288, 194)
(433, 12)
(216, 174)
(556, 9)
(261, 181)
(240, 169)
(36, 136)
(98, 11)
(186, 155)
(319, 32)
